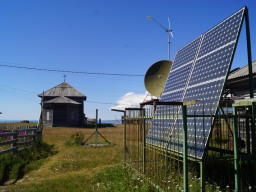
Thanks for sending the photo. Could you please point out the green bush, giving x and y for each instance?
(75, 139)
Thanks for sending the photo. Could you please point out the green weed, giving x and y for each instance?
(14, 166)
(116, 179)
(75, 139)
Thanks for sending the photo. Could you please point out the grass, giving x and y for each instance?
(77, 168)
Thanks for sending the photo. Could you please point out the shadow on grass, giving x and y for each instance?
(14, 166)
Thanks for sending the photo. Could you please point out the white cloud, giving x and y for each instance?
(130, 100)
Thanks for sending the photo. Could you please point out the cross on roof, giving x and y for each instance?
(64, 78)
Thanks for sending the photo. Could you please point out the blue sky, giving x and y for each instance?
(104, 36)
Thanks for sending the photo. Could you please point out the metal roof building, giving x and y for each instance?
(238, 81)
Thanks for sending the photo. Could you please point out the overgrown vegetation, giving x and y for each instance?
(116, 179)
(14, 166)
(75, 139)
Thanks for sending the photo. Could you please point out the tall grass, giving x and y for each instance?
(74, 167)
(15, 166)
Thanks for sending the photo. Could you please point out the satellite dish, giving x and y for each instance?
(156, 77)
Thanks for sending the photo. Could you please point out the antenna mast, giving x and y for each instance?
(169, 31)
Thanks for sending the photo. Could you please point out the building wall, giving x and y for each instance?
(64, 115)
(61, 115)
(73, 116)
(81, 109)
(48, 117)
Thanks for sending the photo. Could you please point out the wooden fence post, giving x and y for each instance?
(14, 137)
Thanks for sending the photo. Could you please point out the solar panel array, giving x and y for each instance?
(199, 72)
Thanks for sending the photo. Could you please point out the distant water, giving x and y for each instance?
(111, 121)
(15, 121)
(102, 121)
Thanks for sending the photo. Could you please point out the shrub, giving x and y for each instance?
(75, 139)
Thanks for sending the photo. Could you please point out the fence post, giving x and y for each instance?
(202, 176)
(14, 137)
(236, 150)
(144, 140)
(125, 139)
(25, 138)
(34, 137)
(39, 134)
(185, 146)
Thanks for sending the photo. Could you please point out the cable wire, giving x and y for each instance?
(68, 71)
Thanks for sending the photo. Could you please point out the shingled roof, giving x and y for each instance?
(63, 89)
(62, 100)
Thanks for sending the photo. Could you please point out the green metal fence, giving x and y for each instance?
(228, 163)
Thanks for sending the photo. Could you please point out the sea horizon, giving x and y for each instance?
(102, 121)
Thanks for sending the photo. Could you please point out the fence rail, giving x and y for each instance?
(18, 140)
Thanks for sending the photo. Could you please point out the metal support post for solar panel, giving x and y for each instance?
(202, 176)
(253, 129)
(144, 140)
(185, 149)
(236, 150)
(248, 37)
(253, 140)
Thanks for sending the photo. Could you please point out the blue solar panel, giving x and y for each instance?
(198, 75)
(174, 90)
(160, 126)
(209, 74)
(222, 34)
(180, 71)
